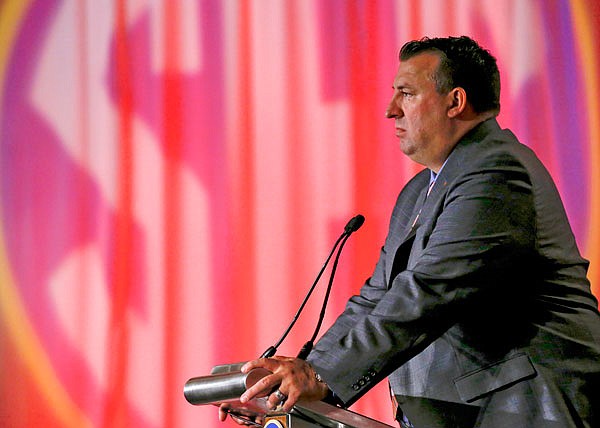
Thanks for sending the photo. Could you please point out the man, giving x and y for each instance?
(479, 310)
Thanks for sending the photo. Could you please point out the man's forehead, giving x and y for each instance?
(420, 66)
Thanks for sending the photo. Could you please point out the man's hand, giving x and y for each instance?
(292, 379)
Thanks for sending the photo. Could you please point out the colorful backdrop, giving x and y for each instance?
(173, 174)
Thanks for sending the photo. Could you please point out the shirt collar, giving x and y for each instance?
(434, 175)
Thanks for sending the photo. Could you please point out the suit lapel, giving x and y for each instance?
(406, 232)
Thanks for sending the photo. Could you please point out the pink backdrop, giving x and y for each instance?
(173, 174)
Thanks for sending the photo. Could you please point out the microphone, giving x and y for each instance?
(352, 226)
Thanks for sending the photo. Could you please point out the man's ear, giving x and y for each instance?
(457, 102)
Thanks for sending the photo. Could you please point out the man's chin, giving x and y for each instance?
(407, 147)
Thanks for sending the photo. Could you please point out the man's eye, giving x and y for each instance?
(406, 94)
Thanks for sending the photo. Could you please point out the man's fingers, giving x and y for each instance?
(222, 415)
(261, 388)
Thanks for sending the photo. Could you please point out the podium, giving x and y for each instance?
(226, 383)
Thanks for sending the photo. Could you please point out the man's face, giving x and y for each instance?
(420, 112)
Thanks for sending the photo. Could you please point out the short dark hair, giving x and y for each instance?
(465, 64)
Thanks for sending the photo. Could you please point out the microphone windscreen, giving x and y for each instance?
(355, 223)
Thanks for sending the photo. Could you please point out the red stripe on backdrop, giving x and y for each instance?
(235, 329)
(363, 73)
(416, 19)
(118, 334)
(298, 144)
(172, 143)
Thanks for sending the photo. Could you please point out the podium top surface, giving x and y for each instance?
(335, 417)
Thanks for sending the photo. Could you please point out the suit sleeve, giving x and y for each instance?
(465, 252)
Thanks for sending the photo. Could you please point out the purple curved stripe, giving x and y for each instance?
(568, 113)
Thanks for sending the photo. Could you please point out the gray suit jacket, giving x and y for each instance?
(480, 314)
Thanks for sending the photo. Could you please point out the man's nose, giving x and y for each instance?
(393, 110)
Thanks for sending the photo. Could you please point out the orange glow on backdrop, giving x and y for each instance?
(174, 173)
